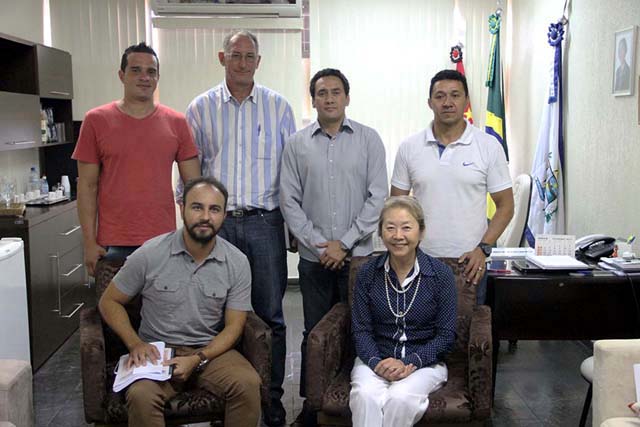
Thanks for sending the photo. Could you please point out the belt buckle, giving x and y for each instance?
(237, 213)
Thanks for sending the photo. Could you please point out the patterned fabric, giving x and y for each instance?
(241, 143)
(466, 396)
(429, 304)
(100, 349)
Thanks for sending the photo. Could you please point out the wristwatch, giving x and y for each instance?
(485, 248)
(203, 361)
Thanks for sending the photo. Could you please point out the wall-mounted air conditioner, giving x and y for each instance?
(241, 8)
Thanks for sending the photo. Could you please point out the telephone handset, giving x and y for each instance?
(595, 246)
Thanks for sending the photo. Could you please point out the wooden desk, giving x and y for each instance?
(562, 307)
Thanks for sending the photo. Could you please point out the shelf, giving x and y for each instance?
(25, 145)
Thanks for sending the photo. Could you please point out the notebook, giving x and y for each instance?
(557, 262)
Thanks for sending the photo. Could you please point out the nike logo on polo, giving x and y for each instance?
(467, 163)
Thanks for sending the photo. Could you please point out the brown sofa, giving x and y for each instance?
(465, 399)
(100, 349)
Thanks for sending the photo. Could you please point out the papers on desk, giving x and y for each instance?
(621, 264)
(557, 262)
(504, 254)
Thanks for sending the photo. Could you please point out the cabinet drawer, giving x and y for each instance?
(66, 232)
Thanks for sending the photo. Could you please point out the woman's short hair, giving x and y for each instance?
(408, 203)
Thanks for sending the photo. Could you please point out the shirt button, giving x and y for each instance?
(165, 288)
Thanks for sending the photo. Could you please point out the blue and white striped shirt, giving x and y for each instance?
(241, 144)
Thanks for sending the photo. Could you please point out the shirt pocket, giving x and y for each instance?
(167, 294)
(211, 306)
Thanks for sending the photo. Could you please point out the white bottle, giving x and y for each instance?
(34, 181)
(44, 186)
(66, 186)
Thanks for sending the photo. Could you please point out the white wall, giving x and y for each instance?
(24, 21)
(602, 134)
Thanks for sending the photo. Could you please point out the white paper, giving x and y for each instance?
(557, 262)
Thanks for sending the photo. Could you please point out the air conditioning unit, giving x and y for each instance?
(241, 8)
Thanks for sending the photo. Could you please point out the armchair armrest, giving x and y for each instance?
(256, 348)
(326, 345)
(480, 361)
(613, 382)
(93, 364)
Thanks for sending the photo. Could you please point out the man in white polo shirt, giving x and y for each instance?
(451, 166)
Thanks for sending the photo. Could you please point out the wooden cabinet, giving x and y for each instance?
(34, 77)
(57, 284)
(19, 121)
(55, 78)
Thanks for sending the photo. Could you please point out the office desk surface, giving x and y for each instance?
(563, 307)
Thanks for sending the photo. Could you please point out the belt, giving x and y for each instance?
(239, 213)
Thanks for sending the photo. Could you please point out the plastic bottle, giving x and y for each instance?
(44, 186)
(34, 181)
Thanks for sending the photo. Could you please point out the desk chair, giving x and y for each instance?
(513, 235)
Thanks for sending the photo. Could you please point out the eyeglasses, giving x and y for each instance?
(237, 57)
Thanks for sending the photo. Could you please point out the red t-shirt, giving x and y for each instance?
(135, 196)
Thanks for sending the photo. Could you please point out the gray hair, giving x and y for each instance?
(227, 40)
(408, 203)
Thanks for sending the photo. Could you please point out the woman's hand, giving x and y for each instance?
(393, 369)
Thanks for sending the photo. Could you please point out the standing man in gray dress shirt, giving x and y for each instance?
(333, 182)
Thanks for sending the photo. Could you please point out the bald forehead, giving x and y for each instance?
(238, 40)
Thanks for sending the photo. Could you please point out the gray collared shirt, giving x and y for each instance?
(183, 302)
(333, 188)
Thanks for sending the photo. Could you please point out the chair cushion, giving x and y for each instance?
(586, 369)
(621, 422)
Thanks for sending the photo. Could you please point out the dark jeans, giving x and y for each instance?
(261, 238)
(321, 289)
(119, 252)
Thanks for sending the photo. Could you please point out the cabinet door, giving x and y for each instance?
(19, 121)
(54, 73)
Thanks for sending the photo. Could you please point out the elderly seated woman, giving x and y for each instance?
(404, 322)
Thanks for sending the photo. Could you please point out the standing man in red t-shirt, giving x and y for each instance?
(125, 153)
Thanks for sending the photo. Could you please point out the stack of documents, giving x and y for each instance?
(158, 372)
(621, 264)
(557, 262)
(504, 254)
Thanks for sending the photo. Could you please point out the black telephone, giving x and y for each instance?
(594, 246)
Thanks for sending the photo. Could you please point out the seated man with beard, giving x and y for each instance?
(196, 292)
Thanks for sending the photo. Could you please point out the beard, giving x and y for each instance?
(202, 237)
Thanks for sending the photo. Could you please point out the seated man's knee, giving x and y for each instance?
(246, 384)
(144, 394)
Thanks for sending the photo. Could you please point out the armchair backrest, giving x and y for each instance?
(466, 294)
(104, 273)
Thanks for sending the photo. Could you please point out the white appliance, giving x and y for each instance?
(14, 315)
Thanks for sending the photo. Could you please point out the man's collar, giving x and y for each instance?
(227, 96)
(345, 126)
(178, 246)
(464, 139)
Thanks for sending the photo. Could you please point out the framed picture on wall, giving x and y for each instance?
(624, 61)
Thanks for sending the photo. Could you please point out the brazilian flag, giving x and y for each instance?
(495, 121)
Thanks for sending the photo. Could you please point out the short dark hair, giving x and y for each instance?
(205, 180)
(449, 75)
(141, 47)
(328, 72)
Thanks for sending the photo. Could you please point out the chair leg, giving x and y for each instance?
(586, 406)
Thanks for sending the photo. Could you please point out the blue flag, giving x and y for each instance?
(546, 213)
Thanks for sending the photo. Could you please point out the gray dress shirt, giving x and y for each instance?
(333, 188)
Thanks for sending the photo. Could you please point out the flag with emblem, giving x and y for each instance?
(456, 57)
(546, 212)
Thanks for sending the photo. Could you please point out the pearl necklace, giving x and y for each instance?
(387, 282)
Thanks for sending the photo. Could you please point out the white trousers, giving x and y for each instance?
(376, 402)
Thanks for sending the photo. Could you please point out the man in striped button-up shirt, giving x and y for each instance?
(239, 129)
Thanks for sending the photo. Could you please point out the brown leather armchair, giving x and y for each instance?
(466, 398)
(100, 349)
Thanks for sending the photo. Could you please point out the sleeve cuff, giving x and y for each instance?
(373, 362)
(413, 359)
(350, 238)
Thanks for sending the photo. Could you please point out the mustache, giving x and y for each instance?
(207, 223)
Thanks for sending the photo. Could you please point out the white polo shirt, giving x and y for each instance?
(452, 188)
